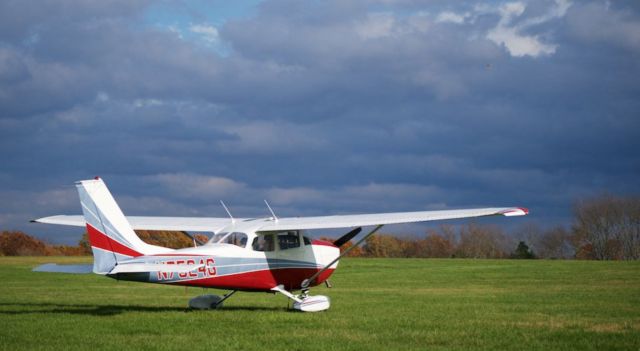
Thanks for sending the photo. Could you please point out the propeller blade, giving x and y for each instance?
(345, 238)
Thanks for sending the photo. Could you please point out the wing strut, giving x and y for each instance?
(305, 283)
(195, 240)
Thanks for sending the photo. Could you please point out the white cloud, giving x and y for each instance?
(520, 45)
(206, 32)
(451, 17)
(510, 35)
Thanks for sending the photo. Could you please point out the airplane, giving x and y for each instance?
(267, 254)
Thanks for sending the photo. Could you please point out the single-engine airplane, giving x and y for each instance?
(244, 254)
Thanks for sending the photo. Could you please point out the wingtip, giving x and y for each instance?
(516, 211)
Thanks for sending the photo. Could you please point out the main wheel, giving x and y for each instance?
(205, 302)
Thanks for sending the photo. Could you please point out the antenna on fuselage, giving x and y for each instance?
(233, 220)
(275, 218)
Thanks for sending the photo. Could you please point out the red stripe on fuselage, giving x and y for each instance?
(262, 280)
(178, 254)
(101, 241)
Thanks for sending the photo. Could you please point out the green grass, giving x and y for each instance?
(380, 304)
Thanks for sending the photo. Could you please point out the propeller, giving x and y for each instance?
(345, 238)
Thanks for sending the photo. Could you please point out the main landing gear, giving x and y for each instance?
(209, 302)
(305, 302)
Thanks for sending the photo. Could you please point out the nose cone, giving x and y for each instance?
(325, 252)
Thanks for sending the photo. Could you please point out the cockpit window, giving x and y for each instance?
(288, 240)
(263, 243)
(235, 238)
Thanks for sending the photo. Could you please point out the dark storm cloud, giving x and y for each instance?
(322, 107)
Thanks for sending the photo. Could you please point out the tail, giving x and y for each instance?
(111, 237)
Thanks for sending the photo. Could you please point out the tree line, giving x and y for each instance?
(605, 227)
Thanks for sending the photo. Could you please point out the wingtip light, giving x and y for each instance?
(518, 211)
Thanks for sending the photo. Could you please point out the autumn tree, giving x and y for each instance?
(165, 238)
(355, 252)
(84, 244)
(16, 243)
(434, 244)
(383, 245)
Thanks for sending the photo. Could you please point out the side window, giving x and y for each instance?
(236, 238)
(218, 236)
(288, 240)
(263, 243)
(307, 241)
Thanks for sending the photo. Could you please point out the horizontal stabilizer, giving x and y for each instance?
(65, 268)
(154, 267)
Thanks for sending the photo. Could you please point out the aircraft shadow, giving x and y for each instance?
(110, 310)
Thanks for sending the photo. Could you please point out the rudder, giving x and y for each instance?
(110, 235)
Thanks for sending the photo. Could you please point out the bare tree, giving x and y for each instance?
(554, 243)
(482, 241)
(610, 226)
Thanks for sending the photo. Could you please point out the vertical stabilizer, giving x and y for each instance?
(111, 237)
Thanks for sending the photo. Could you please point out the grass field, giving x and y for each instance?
(380, 304)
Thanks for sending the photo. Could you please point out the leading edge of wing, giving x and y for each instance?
(195, 224)
(361, 220)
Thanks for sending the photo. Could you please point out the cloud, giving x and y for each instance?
(320, 107)
(197, 186)
(618, 26)
(510, 34)
(209, 33)
(451, 17)
(262, 137)
(376, 25)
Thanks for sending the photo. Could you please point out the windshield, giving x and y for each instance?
(218, 237)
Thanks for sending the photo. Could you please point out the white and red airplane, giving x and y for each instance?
(245, 254)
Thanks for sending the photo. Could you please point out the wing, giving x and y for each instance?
(196, 224)
(362, 220)
(191, 224)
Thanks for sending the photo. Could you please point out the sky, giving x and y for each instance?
(320, 107)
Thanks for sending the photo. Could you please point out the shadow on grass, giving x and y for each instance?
(110, 310)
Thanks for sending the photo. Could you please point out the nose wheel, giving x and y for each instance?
(305, 302)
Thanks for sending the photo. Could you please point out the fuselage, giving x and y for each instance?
(238, 258)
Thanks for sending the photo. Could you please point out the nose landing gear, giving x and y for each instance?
(305, 302)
